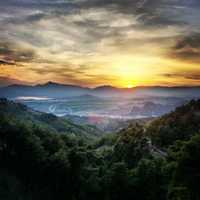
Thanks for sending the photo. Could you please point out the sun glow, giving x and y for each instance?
(130, 86)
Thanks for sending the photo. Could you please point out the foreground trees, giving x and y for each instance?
(38, 163)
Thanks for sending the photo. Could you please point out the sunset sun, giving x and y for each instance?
(129, 86)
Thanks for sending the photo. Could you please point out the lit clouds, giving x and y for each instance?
(92, 42)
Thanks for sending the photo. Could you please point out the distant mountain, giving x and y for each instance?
(51, 84)
(106, 88)
(57, 90)
(50, 89)
(20, 112)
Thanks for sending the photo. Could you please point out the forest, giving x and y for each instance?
(45, 157)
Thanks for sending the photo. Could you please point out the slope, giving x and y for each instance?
(20, 112)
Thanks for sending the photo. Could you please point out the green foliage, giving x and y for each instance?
(187, 171)
(178, 125)
(61, 125)
(36, 162)
(151, 179)
(131, 146)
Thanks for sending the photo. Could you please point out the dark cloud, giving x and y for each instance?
(37, 3)
(29, 18)
(187, 48)
(149, 12)
(3, 62)
(35, 17)
(13, 53)
(74, 74)
(88, 80)
(62, 69)
(193, 75)
(5, 81)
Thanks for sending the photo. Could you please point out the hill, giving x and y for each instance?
(157, 136)
(181, 124)
(136, 163)
(20, 112)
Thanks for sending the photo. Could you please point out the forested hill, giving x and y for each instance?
(181, 124)
(20, 112)
(37, 163)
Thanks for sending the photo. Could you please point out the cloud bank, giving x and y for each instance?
(92, 42)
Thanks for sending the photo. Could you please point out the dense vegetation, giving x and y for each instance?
(178, 125)
(157, 161)
(56, 124)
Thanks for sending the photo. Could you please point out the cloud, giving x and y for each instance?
(5, 81)
(85, 39)
(12, 53)
(74, 74)
(190, 75)
(149, 12)
(82, 25)
(187, 48)
(3, 62)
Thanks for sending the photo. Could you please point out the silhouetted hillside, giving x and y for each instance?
(22, 113)
(154, 161)
(181, 124)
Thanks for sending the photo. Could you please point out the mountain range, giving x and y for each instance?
(57, 90)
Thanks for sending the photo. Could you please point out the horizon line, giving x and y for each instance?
(100, 86)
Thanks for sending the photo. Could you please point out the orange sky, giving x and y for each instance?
(91, 43)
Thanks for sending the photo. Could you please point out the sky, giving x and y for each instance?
(124, 43)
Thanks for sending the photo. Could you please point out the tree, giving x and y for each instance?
(187, 172)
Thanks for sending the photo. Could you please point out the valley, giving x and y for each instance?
(45, 156)
(107, 113)
(84, 146)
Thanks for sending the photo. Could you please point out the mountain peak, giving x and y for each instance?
(49, 83)
(105, 87)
